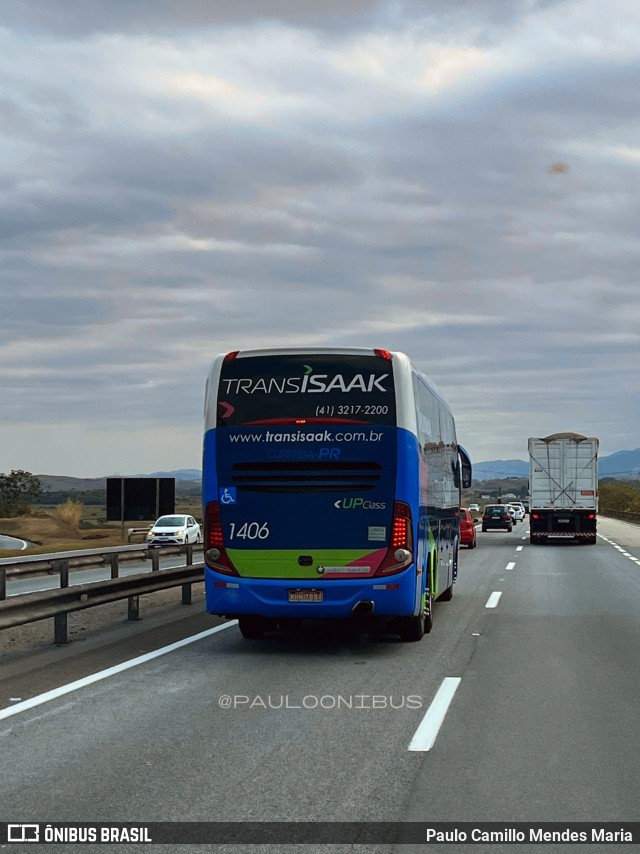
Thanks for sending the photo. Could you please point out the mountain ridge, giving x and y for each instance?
(619, 464)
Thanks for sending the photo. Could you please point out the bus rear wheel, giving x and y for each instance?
(427, 619)
(411, 628)
(251, 628)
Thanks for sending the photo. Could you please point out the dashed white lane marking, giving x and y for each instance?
(510, 565)
(110, 671)
(519, 548)
(620, 549)
(425, 736)
(492, 601)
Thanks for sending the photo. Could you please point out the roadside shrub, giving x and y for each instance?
(69, 515)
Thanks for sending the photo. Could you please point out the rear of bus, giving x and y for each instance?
(307, 511)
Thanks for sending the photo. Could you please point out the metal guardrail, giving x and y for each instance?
(625, 517)
(34, 564)
(137, 532)
(60, 602)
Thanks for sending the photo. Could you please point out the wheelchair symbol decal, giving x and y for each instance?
(228, 495)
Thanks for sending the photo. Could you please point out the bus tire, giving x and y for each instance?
(411, 628)
(428, 616)
(447, 595)
(251, 628)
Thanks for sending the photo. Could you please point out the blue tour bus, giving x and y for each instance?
(331, 488)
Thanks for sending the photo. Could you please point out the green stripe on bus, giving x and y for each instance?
(283, 563)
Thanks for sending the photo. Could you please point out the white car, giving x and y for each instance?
(176, 530)
(474, 508)
(517, 512)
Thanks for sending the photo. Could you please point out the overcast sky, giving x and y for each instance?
(456, 180)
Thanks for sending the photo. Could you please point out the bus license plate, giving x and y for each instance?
(305, 596)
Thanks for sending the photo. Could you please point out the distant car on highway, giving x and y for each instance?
(497, 516)
(519, 507)
(474, 508)
(175, 530)
(467, 529)
(516, 510)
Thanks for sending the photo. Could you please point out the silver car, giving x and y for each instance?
(176, 530)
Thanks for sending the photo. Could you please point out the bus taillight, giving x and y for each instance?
(215, 553)
(400, 551)
(383, 354)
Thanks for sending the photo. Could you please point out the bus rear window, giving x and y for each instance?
(285, 389)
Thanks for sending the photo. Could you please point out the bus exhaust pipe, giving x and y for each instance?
(363, 608)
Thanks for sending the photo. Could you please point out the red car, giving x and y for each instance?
(467, 529)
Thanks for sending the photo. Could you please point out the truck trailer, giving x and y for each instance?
(563, 488)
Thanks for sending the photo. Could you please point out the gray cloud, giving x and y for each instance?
(370, 174)
(82, 17)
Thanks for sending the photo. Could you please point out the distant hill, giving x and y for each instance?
(185, 478)
(179, 474)
(621, 464)
(499, 469)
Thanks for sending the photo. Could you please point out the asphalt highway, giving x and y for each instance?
(533, 664)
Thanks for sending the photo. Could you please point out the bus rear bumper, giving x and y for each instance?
(393, 596)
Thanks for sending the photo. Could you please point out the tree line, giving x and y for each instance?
(18, 490)
(619, 496)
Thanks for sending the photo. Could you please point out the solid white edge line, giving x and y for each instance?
(110, 671)
(424, 737)
(492, 601)
(511, 565)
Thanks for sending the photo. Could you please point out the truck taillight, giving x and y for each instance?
(215, 553)
(400, 550)
(591, 516)
(535, 515)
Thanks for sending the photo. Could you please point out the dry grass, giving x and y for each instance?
(54, 528)
(69, 516)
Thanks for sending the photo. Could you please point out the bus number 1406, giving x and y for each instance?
(250, 531)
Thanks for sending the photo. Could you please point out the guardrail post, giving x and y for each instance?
(134, 608)
(154, 554)
(112, 560)
(186, 594)
(3, 584)
(60, 621)
(186, 588)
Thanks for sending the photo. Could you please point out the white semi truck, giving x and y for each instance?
(563, 488)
